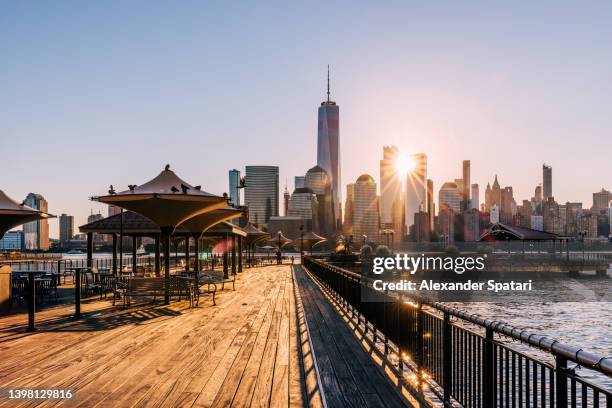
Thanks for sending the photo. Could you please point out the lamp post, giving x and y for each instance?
(279, 254)
(301, 244)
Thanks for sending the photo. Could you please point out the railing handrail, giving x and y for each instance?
(578, 355)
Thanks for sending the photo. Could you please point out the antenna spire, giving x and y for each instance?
(327, 82)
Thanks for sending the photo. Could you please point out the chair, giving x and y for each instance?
(90, 285)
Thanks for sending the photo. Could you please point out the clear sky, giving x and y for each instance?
(99, 93)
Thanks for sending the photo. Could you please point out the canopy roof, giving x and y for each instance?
(166, 200)
(13, 214)
(311, 239)
(224, 228)
(202, 222)
(254, 234)
(274, 240)
(503, 232)
(133, 224)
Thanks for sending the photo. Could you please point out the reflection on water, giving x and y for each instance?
(587, 325)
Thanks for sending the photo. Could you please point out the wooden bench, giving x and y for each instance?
(219, 279)
(156, 287)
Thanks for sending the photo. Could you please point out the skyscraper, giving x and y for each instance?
(465, 189)
(390, 185)
(66, 228)
(449, 197)
(328, 148)
(546, 182)
(431, 209)
(318, 181)
(299, 182)
(234, 187)
(416, 184)
(286, 197)
(303, 203)
(261, 193)
(366, 215)
(347, 225)
(36, 233)
(475, 198)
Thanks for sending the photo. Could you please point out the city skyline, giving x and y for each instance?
(106, 92)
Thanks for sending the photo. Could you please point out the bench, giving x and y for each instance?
(219, 279)
(156, 287)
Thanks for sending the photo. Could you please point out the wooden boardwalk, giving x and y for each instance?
(244, 352)
(347, 372)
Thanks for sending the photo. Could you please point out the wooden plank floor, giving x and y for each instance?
(348, 374)
(242, 352)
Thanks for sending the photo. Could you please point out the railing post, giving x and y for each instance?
(561, 381)
(489, 366)
(447, 344)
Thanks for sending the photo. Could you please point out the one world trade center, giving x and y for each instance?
(328, 149)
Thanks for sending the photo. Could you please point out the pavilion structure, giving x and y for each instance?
(500, 232)
(13, 214)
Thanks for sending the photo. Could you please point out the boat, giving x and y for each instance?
(74, 252)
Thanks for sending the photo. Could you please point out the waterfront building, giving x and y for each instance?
(319, 182)
(12, 241)
(471, 225)
(446, 217)
(36, 233)
(550, 214)
(286, 197)
(416, 188)
(113, 210)
(537, 195)
(234, 187)
(66, 228)
(524, 213)
(601, 200)
(97, 237)
(303, 203)
(546, 182)
(328, 148)
(347, 225)
(572, 214)
(537, 222)
(503, 198)
(421, 230)
(261, 193)
(587, 224)
(298, 182)
(475, 197)
(366, 213)
(449, 196)
(494, 214)
(288, 225)
(390, 183)
(465, 186)
(431, 206)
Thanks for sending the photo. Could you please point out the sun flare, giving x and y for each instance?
(405, 164)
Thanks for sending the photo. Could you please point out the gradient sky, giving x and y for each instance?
(99, 93)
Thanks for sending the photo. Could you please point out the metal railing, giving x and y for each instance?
(456, 355)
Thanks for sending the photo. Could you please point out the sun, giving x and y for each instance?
(405, 164)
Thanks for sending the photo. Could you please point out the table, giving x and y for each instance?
(32, 297)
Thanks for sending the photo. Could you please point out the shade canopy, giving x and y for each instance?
(13, 214)
(503, 232)
(279, 240)
(254, 234)
(202, 222)
(166, 200)
(311, 239)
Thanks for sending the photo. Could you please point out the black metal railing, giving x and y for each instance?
(454, 355)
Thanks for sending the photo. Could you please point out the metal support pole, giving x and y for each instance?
(89, 249)
(447, 358)
(561, 382)
(166, 237)
(489, 367)
(187, 252)
(240, 254)
(115, 254)
(31, 302)
(157, 256)
(233, 243)
(77, 293)
(134, 259)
